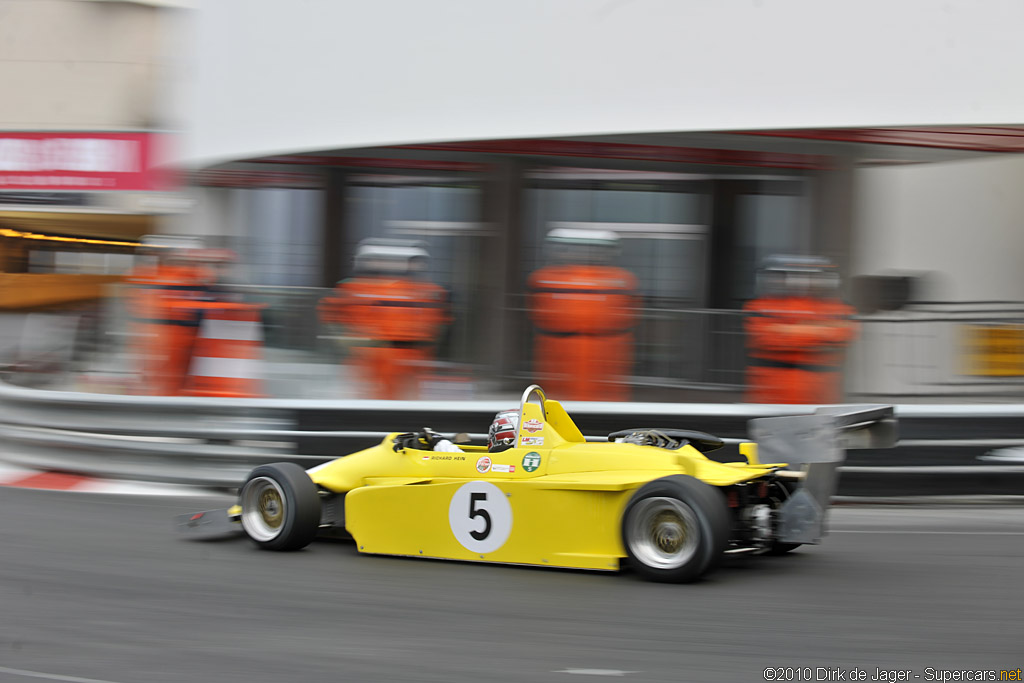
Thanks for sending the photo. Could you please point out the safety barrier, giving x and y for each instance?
(943, 449)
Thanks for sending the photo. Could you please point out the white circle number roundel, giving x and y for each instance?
(480, 517)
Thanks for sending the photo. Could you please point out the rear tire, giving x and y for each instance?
(280, 507)
(675, 529)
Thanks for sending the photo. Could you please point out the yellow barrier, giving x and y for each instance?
(28, 291)
(993, 350)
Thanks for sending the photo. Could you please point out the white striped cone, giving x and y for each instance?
(228, 356)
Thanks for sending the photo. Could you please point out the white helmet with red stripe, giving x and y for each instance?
(503, 430)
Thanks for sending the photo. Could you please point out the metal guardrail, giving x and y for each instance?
(943, 449)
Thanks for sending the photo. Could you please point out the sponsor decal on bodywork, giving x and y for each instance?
(532, 441)
(533, 426)
(531, 461)
(483, 465)
(502, 468)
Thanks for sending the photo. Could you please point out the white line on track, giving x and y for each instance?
(11, 472)
(594, 672)
(50, 677)
(136, 488)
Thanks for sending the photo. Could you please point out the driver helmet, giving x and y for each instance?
(503, 430)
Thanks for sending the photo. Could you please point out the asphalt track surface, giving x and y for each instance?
(99, 588)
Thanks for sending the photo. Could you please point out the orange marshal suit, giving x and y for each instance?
(165, 330)
(796, 346)
(584, 317)
(398, 321)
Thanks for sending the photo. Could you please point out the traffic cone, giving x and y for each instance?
(227, 358)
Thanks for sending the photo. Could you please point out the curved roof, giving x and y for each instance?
(278, 77)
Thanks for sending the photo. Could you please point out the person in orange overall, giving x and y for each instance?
(797, 332)
(395, 316)
(165, 331)
(583, 310)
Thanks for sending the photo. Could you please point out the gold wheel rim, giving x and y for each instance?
(663, 532)
(271, 508)
(263, 509)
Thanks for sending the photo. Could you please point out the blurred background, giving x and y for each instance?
(709, 205)
(335, 201)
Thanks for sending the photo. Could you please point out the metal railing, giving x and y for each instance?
(922, 352)
(915, 354)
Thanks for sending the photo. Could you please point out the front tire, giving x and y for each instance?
(675, 529)
(280, 507)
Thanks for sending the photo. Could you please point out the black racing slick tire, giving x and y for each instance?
(675, 529)
(280, 507)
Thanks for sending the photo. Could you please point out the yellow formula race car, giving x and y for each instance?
(651, 497)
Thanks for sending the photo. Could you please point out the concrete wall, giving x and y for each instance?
(960, 222)
(960, 226)
(72, 65)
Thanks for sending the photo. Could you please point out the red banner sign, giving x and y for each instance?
(81, 161)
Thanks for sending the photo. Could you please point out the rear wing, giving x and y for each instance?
(817, 445)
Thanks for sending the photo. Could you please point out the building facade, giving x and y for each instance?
(84, 130)
(709, 138)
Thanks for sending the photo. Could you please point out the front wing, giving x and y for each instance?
(210, 523)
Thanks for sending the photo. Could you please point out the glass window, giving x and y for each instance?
(660, 224)
(281, 242)
(442, 214)
(766, 225)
